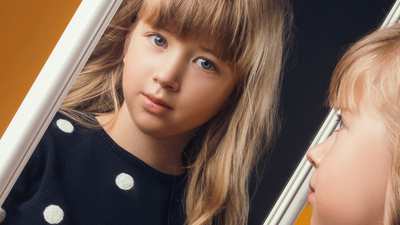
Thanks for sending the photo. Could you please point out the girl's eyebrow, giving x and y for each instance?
(212, 52)
(209, 51)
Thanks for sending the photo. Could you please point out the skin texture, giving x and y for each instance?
(352, 169)
(171, 87)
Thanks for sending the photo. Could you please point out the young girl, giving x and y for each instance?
(166, 120)
(356, 180)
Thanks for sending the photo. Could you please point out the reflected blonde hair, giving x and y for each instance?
(370, 70)
(250, 35)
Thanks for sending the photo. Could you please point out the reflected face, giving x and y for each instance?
(351, 171)
(172, 86)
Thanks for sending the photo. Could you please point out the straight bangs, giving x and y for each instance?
(213, 23)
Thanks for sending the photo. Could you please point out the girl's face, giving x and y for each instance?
(351, 171)
(172, 86)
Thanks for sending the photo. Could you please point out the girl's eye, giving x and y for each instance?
(157, 40)
(341, 123)
(205, 64)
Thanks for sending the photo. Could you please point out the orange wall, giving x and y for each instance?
(29, 32)
(305, 216)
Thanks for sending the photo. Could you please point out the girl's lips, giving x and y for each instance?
(311, 196)
(154, 105)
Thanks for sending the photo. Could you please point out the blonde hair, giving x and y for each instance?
(370, 70)
(248, 34)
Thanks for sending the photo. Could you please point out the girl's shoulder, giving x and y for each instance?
(63, 134)
(62, 137)
(91, 180)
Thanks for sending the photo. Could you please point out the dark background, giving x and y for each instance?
(323, 30)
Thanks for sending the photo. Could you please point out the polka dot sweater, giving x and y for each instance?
(81, 176)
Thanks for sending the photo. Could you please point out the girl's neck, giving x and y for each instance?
(163, 154)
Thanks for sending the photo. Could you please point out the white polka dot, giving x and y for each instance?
(65, 125)
(124, 181)
(2, 215)
(53, 214)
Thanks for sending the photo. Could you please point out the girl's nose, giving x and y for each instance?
(170, 72)
(316, 154)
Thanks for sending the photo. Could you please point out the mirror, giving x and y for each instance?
(323, 30)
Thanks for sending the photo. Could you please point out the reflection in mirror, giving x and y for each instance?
(168, 113)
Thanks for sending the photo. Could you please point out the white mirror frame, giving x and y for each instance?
(50, 88)
(293, 198)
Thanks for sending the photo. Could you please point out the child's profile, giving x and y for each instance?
(166, 120)
(356, 180)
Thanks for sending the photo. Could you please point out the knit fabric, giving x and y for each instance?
(81, 176)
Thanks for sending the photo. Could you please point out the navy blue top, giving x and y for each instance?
(81, 176)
